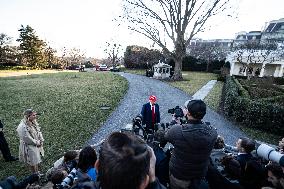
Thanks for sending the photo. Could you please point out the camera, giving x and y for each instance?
(68, 180)
(270, 153)
(177, 111)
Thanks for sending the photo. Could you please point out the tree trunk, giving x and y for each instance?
(178, 68)
(208, 63)
(179, 54)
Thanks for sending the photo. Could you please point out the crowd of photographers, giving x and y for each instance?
(186, 153)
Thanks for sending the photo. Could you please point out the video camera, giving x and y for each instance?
(137, 129)
(177, 112)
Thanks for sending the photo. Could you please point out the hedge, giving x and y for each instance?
(13, 67)
(279, 80)
(262, 114)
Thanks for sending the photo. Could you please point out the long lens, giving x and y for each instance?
(270, 153)
(70, 178)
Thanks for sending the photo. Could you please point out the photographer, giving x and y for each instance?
(86, 169)
(193, 143)
(275, 175)
(177, 115)
(125, 161)
(162, 157)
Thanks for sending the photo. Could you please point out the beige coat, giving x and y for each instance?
(30, 138)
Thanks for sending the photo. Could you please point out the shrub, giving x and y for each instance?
(278, 80)
(216, 71)
(241, 90)
(221, 77)
(231, 94)
(262, 114)
(14, 68)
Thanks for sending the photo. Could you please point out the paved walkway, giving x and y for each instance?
(203, 92)
(140, 88)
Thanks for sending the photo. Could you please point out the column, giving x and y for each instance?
(262, 70)
(232, 68)
(281, 70)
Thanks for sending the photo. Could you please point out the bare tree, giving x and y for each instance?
(209, 51)
(76, 55)
(5, 49)
(170, 20)
(112, 50)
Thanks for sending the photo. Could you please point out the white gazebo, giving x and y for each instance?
(162, 70)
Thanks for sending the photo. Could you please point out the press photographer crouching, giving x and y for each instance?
(193, 143)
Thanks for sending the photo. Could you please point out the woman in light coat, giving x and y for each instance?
(31, 141)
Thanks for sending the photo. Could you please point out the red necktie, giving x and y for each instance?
(153, 115)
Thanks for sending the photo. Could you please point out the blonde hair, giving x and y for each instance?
(27, 113)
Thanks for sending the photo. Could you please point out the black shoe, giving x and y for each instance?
(12, 158)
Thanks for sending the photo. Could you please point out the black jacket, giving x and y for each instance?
(96, 185)
(193, 143)
(146, 113)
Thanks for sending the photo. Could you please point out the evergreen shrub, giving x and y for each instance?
(263, 114)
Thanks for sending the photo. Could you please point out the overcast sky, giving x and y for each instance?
(87, 24)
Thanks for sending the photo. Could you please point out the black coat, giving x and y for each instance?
(146, 113)
(193, 143)
(96, 185)
(4, 148)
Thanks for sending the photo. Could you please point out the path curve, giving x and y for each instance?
(140, 88)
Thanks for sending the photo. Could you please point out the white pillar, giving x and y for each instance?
(232, 68)
(262, 70)
(281, 70)
(276, 72)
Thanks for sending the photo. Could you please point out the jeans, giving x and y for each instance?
(190, 184)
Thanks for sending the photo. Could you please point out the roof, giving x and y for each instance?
(162, 65)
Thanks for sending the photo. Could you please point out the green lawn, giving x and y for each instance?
(136, 71)
(261, 135)
(214, 97)
(193, 81)
(70, 103)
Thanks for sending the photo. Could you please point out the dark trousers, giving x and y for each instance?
(4, 147)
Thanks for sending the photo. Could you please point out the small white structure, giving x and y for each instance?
(162, 70)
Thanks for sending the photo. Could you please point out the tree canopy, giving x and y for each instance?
(31, 47)
(164, 21)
